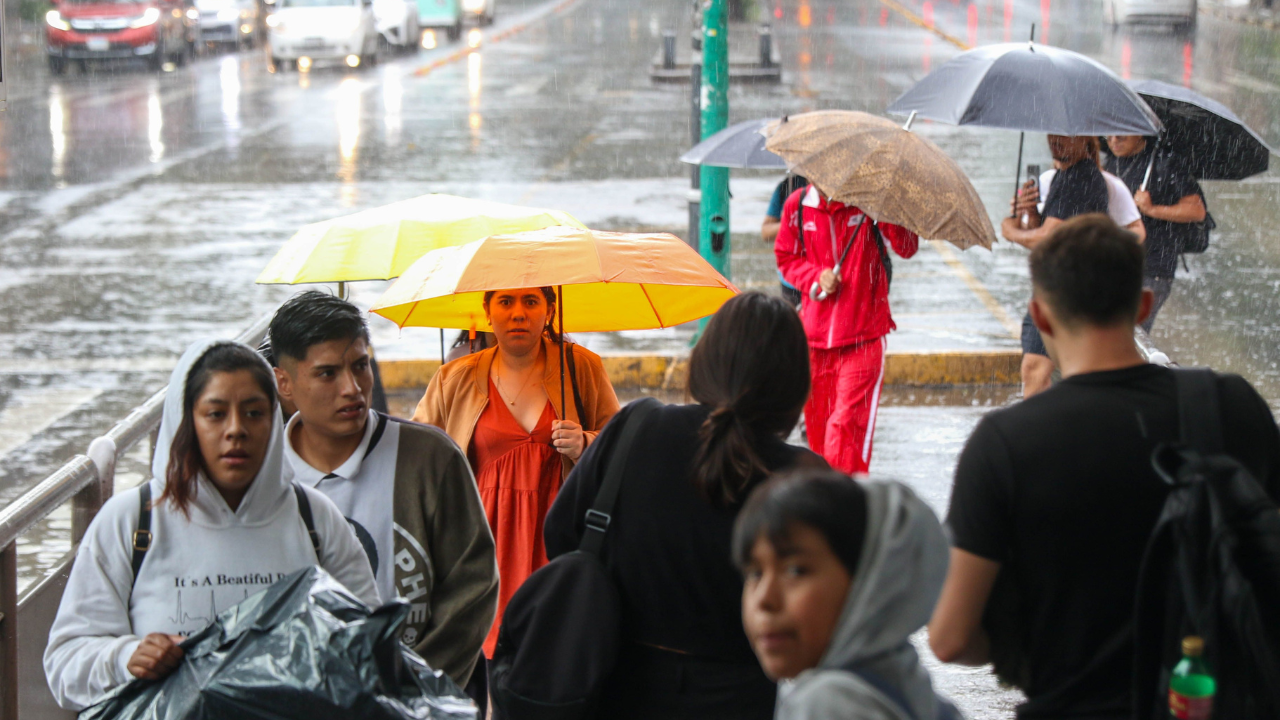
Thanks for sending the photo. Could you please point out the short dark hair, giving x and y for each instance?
(310, 318)
(751, 366)
(1089, 270)
(830, 502)
(185, 458)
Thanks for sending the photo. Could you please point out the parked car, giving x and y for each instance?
(304, 33)
(84, 30)
(397, 22)
(1174, 12)
(232, 22)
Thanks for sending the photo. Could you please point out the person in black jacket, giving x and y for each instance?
(685, 654)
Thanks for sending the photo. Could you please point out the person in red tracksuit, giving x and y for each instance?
(830, 252)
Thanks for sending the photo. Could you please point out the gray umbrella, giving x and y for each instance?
(1029, 87)
(737, 146)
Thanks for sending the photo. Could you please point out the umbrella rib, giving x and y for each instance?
(661, 323)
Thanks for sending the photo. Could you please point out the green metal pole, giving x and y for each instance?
(713, 226)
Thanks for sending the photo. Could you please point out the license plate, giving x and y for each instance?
(97, 44)
(313, 43)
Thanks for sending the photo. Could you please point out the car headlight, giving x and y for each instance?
(149, 17)
(473, 5)
(193, 14)
(54, 18)
(275, 23)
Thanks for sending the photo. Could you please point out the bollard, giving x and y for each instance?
(668, 50)
(766, 46)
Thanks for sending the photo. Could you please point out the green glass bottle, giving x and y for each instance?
(1191, 688)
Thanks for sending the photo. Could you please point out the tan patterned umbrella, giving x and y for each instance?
(891, 174)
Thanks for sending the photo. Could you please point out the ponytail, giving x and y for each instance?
(726, 460)
(751, 366)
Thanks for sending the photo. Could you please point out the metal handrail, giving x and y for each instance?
(81, 472)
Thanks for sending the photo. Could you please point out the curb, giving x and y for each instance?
(1246, 15)
(667, 372)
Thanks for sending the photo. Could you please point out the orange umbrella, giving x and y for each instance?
(613, 281)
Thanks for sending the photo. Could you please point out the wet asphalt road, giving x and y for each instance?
(137, 208)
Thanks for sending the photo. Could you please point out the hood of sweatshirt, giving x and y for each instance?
(267, 493)
(900, 575)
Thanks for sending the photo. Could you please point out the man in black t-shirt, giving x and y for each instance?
(1078, 188)
(1056, 495)
(1172, 201)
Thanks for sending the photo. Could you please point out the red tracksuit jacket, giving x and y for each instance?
(859, 311)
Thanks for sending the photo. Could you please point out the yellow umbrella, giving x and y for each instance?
(378, 244)
(611, 281)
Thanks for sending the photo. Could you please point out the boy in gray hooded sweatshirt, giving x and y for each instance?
(838, 575)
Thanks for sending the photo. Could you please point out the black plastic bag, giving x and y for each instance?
(303, 649)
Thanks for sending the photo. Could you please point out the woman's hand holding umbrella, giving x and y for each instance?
(568, 439)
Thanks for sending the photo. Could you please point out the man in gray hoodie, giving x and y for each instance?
(829, 601)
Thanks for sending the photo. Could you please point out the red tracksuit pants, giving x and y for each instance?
(840, 417)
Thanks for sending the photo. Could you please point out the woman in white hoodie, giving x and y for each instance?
(223, 525)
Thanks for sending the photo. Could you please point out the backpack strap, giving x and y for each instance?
(885, 260)
(601, 512)
(1199, 416)
(573, 383)
(378, 429)
(304, 509)
(142, 535)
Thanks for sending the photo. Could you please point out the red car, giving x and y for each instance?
(82, 30)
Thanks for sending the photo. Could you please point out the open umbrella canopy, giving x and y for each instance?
(1204, 133)
(611, 281)
(737, 146)
(1029, 87)
(378, 244)
(891, 174)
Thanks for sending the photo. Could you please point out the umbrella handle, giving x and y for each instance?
(564, 411)
(816, 293)
(1147, 177)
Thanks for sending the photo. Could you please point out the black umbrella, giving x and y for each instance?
(1029, 87)
(737, 146)
(1205, 134)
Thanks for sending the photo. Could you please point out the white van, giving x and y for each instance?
(304, 33)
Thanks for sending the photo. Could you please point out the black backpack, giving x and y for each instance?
(561, 631)
(1211, 568)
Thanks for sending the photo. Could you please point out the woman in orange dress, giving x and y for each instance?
(501, 405)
